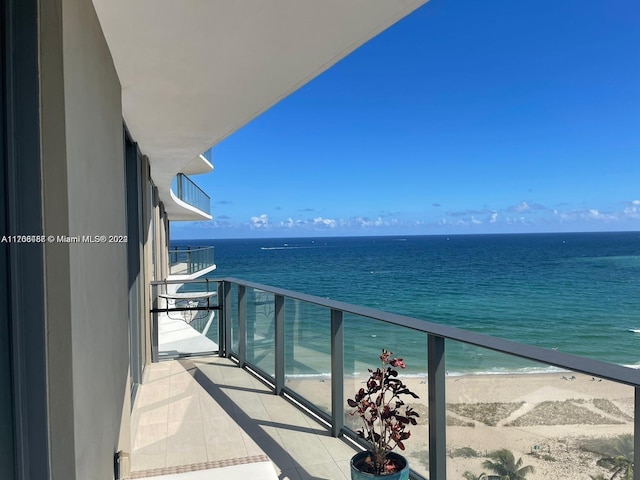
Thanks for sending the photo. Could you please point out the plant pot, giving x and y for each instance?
(358, 458)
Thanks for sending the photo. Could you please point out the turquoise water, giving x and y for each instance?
(578, 293)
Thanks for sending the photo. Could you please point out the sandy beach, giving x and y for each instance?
(545, 419)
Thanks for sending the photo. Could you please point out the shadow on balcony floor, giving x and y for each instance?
(201, 413)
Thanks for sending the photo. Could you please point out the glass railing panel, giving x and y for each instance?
(187, 320)
(364, 339)
(187, 191)
(207, 322)
(188, 260)
(234, 317)
(261, 330)
(308, 352)
(557, 423)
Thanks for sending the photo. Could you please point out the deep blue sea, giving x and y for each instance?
(577, 292)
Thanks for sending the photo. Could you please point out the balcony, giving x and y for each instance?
(191, 261)
(558, 412)
(187, 194)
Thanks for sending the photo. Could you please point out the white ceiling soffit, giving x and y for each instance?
(195, 71)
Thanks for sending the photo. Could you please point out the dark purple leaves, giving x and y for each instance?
(379, 406)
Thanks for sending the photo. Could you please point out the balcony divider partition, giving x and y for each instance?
(288, 338)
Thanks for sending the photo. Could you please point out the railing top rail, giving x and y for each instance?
(191, 249)
(609, 371)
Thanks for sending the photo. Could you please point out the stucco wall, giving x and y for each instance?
(87, 283)
(95, 178)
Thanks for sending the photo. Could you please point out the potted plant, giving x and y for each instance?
(385, 418)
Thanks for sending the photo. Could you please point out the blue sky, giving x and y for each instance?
(465, 117)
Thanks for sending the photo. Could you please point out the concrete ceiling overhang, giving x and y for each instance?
(195, 71)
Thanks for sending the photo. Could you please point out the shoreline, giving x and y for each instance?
(551, 370)
(544, 418)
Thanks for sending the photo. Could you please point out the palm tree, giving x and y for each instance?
(504, 464)
(619, 461)
(470, 476)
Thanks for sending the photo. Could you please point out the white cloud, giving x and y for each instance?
(326, 222)
(523, 216)
(378, 222)
(288, 223)
(632, 210)
(525, 207)
(259, 222)
(586, 214)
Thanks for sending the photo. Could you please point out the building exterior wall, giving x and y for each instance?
(147, 254)
(86, 283)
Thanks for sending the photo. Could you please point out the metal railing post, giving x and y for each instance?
(224, 317)
(337, 373)
(636, 435)
(242, 325)
(154, 325)
(437, 408)
(279, 343)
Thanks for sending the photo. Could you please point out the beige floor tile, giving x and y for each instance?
(144, 461)
(345, 466)
(196, 454)
(306, 449)
(226, 448)
(213, 372)
(153, 435)
(249, 407)
(183, 387)
(187, 406)
(338, 450)
(184, 416)
(156, 393)
(278, 455)
(158, 370)
(222, 422)
(223, 433)
(158, 447)
(254, 428)
(214, 406)
(290, 418)
(322, 471)
(252, 444)
(153, 414)
(190, 431)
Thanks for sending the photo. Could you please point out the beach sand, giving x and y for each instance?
(542, 418)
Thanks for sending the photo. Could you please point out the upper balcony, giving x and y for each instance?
(191, 198)
(183, 199)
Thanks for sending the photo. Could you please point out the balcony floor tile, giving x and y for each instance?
(206, 409)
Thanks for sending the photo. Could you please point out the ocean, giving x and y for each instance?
(575, 292)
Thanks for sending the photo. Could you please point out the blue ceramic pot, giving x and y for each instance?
(358, 458)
